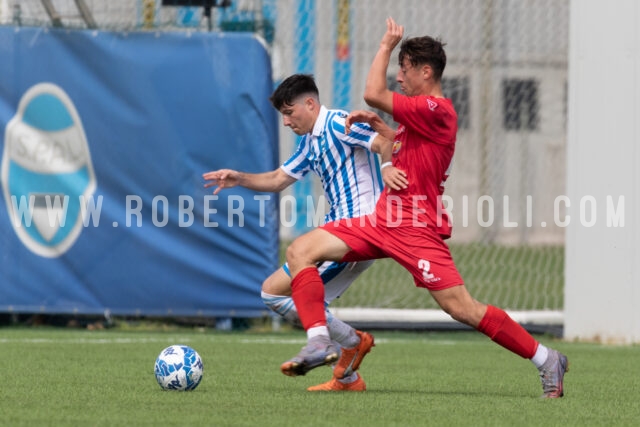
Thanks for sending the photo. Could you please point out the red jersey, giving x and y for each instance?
(423, 147)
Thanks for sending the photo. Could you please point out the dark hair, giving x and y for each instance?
(424, 51)
(291, 88)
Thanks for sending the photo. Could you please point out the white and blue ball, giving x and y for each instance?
(178, 367)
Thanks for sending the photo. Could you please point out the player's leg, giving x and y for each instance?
(276, 291)
(354, 344)
(276, 295)
(307, 291)
(343, 240)
(503, 330)
(492, 321)
(307, 287)
(337, 277)
(428, 259)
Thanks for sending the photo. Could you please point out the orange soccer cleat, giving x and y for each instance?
(335, 385)
(350, 358)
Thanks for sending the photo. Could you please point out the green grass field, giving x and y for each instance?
(67, 377)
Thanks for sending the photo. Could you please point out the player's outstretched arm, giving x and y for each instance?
(271, 182)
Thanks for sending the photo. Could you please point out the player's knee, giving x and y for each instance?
(278, 283)
(297, 253)
(267, 286)
(311, 248)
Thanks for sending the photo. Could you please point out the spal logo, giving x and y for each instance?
(46, 169)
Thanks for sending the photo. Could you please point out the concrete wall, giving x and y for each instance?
(602, 288)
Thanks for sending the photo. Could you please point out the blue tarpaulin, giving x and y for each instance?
(111, 132)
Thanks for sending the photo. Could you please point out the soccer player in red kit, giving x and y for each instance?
(410, 224)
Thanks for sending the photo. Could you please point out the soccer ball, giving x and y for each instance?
(178, 367)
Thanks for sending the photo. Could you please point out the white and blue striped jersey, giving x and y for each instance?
(349, 171)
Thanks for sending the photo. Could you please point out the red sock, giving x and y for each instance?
(307, 291)
(503, 330)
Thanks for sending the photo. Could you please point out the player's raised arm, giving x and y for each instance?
(272, 182)
(376, 92)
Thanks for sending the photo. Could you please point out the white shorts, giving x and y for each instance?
(338, 276)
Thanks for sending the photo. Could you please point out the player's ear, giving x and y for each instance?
(310, 103)
(427, 72)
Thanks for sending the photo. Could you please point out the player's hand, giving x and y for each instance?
(361, 116)
(394, 178)
(223, 178)
(393, 35)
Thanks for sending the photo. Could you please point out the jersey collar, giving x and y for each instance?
(318, 127)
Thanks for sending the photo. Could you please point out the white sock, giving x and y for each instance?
(540, 357)
(317, 331)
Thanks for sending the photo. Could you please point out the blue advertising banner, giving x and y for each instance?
(104, 139)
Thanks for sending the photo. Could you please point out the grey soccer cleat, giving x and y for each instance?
(318, 351)
(552, 374)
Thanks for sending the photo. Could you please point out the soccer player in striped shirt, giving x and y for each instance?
(352, 181)
(409, 225)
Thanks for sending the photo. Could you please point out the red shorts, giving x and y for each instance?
(419, 250)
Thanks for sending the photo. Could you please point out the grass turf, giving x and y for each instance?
(63, 377)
